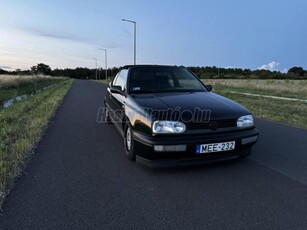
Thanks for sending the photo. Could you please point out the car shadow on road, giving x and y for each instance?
(198, 167)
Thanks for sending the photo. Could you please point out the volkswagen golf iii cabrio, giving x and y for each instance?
(168, 117)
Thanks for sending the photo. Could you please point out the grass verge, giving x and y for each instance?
(21, 127)
(292, 113)
(13, 86)
(280, 88)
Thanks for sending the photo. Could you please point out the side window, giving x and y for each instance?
(121, 79)
(115, 78)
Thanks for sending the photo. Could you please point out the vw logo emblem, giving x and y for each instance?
(213, 125)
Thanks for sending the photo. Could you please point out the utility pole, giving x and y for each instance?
(106, 62)
(96, 67)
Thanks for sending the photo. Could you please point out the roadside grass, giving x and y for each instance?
(22, 125)
(292, 113)
(13, 86)
(280, 88)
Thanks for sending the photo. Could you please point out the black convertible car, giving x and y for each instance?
(168, 117)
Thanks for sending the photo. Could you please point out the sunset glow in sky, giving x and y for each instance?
(239, 33)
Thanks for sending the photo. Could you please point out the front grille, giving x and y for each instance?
(212, 124)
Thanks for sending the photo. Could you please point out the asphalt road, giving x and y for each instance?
(79, 178)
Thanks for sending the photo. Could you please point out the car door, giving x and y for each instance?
(117, 100)
(109, 102)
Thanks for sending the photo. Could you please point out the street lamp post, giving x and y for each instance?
(105, 58)
(96, 67)
(125, 20)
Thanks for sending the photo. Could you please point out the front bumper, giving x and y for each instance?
(147, 155)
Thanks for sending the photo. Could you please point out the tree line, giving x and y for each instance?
(237, 73)
(78, 73)
(201, 72)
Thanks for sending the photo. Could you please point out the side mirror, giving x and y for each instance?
(116, 89)
(209, 87)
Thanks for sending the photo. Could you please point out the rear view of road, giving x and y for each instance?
(79, 178)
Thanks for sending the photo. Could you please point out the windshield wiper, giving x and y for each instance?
(166, 91)
(186, 90)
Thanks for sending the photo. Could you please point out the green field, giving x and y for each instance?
(288, 112)
(13, 86)
(23, 123)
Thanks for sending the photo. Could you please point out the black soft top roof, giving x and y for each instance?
(150, 66)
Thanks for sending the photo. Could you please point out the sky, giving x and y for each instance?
(231, 34)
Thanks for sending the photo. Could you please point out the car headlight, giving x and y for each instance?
(245, 121)
(168, 127)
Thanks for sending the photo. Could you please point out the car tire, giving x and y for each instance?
(129, 143)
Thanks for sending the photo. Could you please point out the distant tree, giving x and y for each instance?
(18, 71)
(112, 72)
(2, 71)
(247, 72)
(298, 71)
(41, 68)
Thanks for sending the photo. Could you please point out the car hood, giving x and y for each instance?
(218, 107)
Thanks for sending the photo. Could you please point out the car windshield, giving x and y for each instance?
(163, 79)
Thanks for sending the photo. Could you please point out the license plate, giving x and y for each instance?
(215, 147)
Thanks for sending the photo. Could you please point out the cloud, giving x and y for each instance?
(5, 67)
(272, 66)
(55, 34)
(60, 35)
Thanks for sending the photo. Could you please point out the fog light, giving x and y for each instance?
(170, 148)
(249, 140)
